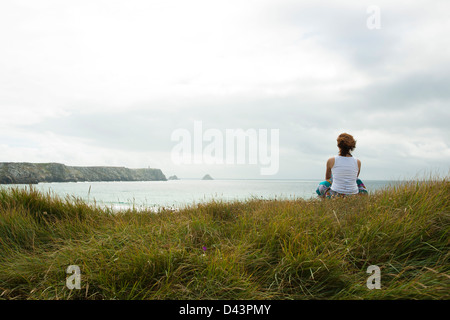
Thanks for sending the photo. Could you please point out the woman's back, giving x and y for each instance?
(345, 172)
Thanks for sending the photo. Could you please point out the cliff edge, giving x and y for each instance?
(26, 173)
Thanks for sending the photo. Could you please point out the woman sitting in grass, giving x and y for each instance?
(341, 177)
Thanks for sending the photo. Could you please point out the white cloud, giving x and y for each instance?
(105, 82)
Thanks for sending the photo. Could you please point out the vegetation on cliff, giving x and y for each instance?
(30, 173)
(255, 249)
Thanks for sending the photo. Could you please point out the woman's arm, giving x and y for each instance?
(359, 166)
(330, 164)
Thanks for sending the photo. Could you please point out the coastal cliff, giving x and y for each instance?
(31, 173)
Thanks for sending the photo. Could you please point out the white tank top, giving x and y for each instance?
(345, 173)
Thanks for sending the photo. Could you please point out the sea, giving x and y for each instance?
(176, 194)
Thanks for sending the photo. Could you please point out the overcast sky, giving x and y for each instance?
(90, 82)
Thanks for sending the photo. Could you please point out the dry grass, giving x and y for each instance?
(256, 249)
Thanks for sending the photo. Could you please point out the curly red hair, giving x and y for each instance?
(345, 143)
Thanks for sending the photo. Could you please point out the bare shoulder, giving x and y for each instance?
(330, 162)
(359, 162)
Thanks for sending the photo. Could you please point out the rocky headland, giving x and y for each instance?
(32, 173)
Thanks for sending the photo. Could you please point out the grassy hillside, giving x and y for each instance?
(302, 249)
(26, 173)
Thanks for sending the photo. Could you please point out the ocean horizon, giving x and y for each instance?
(176, 194)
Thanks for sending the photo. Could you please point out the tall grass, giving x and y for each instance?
(255, 249)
